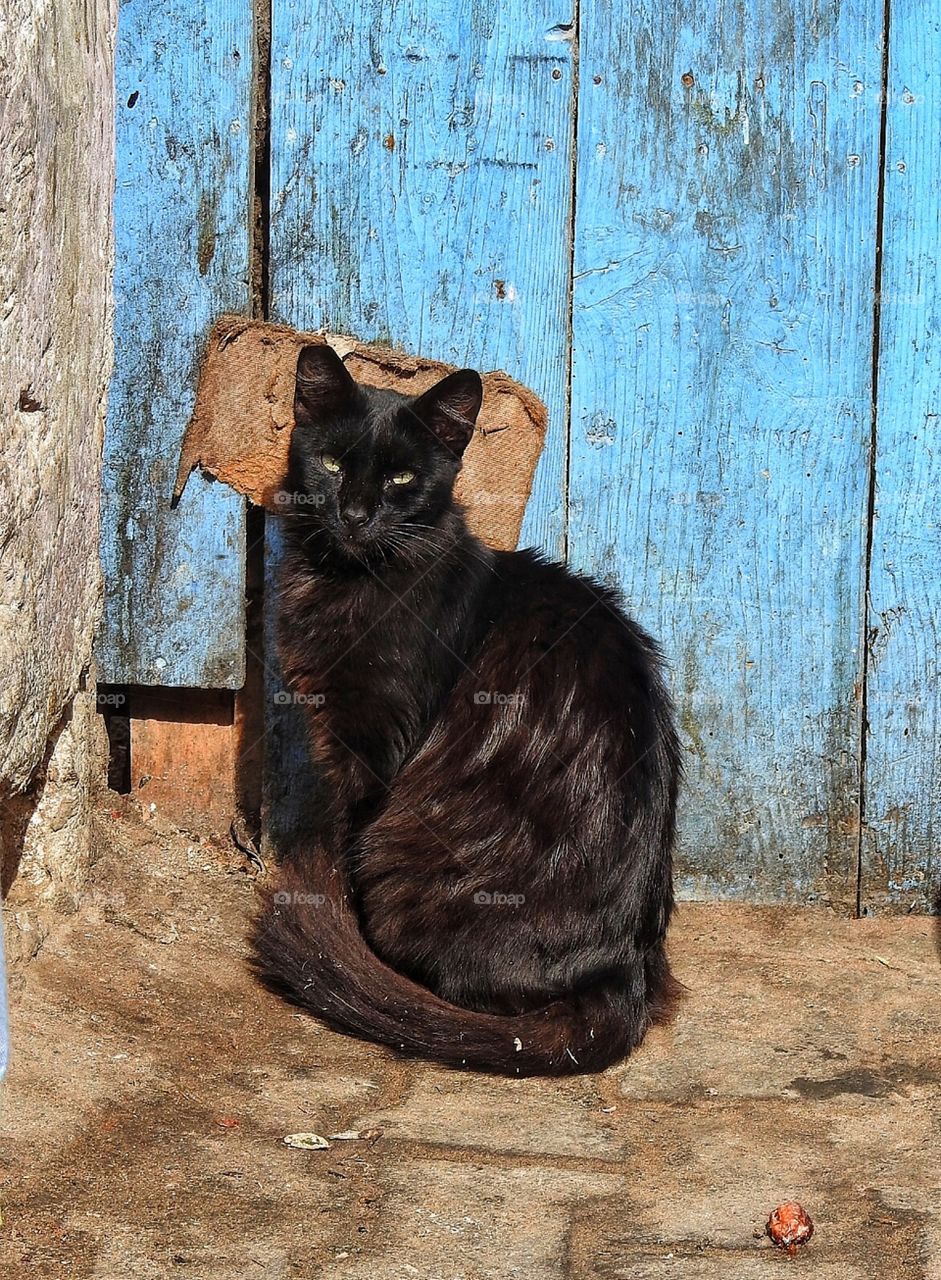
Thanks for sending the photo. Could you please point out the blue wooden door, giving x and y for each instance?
(666, 219)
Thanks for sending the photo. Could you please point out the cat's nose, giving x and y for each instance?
(355, 515)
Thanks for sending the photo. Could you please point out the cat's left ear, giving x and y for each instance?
(323, 383)
(450, 408)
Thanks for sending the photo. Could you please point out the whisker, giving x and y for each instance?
(437, 540)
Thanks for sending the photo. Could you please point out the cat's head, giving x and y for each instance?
(372, 470)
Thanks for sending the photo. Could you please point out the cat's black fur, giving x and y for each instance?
(492, 882)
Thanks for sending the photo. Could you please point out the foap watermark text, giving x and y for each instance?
(284, 899)
(494, 698)
(287, 698)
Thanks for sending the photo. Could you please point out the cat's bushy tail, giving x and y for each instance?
(308, 945)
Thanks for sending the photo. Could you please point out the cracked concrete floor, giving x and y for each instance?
(153, 1084)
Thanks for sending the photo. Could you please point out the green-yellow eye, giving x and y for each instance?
(330, 463)
(403, 477)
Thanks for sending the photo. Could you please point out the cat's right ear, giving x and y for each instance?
(323, 383)
(451, 407)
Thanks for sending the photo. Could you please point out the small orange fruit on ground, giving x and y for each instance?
(790, 1225)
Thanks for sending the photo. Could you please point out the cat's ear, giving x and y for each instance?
(323, 383)
(450, 408)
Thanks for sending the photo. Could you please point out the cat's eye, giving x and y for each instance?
(402, 477)
(330, 463)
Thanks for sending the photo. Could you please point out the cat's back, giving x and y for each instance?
(547, 602)
(560, 642)
(563, 702)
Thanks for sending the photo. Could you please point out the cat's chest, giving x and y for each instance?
(338, 637)
(359, 664)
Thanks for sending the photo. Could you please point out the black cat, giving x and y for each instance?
(493, 882)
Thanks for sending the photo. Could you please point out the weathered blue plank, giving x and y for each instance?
(174, 599)
(421, 197)
(421, 190)
(726, 200)
(900, 863)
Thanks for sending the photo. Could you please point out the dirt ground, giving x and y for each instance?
(154, 1082)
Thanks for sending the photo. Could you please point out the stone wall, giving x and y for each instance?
(56, 251)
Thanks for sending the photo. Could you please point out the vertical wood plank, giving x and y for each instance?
(174, 578)
(421, 190)
(900, 864)
(727, 180)
(421, 197)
